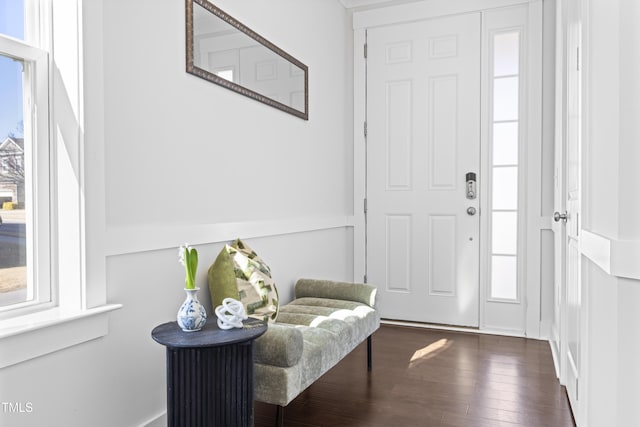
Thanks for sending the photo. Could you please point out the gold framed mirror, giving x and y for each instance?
(226, 52)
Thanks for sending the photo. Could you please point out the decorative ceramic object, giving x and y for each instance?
(230, 314)
(192, 315)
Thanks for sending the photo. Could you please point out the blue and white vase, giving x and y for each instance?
(192, 315)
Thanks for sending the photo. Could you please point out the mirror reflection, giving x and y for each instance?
(224, 51)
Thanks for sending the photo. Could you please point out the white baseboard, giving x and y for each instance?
(555, 353)
(502, 332)
(545, 329)
(158, 421)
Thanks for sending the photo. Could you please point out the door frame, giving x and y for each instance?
(531, 185)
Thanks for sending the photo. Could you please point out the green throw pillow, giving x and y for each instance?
(239, 273)
(222, 279)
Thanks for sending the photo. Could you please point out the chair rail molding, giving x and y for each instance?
(141, 238)
(616, 257)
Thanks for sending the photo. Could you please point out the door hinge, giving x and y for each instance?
(365, 205)
(365, 129)
(365, 50)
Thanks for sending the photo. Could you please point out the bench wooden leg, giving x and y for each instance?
(369, 362)
(280, 416)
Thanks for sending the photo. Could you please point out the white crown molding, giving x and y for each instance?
(397, 11)
(353, 4)
(350, 4)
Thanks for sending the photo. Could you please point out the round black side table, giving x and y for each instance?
(209, 373)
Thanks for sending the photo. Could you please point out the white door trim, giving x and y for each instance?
(534, 218)
(359, 156)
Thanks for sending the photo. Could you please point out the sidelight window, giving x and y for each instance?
(505, 165)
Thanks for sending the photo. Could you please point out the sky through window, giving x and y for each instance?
(12, 25)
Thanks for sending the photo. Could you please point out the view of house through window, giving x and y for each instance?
(14, 286)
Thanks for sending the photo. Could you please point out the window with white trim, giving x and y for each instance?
(65, 298)
(25, 257)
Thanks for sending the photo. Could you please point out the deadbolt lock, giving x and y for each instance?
(470, 179)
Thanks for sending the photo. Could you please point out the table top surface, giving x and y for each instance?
(170, 334)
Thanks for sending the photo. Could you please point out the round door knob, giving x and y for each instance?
(471, 210)
(557, 216)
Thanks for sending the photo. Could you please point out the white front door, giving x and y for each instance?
(423, 119)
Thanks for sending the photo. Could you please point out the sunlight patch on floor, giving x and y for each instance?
(429, 351)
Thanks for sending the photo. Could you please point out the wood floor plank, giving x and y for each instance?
(424, 378)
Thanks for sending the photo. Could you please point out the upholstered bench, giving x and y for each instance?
(325, 322)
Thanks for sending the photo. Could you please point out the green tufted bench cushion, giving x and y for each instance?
(325, 322)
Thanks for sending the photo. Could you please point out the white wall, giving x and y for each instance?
(245, 160)
(180, 152)
(611, 387)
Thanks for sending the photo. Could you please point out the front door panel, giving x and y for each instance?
(423, 116)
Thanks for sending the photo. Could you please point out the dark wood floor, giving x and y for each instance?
(424, 377)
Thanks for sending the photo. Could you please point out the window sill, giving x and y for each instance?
(26, 337)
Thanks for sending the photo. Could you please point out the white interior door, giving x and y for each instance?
(567, 198)
(574, 89)
(558, 332)
(423, 119)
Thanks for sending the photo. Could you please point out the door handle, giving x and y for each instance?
(471, 211)
(557, 216)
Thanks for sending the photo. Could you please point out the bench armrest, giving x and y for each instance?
(280, 346)
(358, 292)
